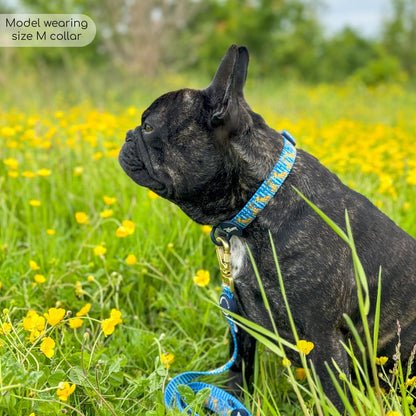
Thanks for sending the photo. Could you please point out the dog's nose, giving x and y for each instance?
(130, 136)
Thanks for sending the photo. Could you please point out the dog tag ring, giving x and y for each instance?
(225, 230)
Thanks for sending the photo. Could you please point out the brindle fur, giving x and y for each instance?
(208, 153)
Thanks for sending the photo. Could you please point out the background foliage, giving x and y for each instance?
(286, 38)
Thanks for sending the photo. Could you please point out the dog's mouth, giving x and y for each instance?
(135, 160)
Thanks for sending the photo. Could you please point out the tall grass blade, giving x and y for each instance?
(328, 220)
(377, 313)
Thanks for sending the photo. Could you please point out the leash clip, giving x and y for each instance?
(222, 248)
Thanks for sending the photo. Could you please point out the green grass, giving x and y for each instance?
(162, 309)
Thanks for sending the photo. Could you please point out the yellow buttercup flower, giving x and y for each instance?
(75, 323)
(78, 171)
(28, 174)
(35, 203)
(44, 172)
(34, 322)
(406, 206)
(167, 359)
(152, 195)
(5, 328)
(33, 265)
(13, 174)
(305, 347)
(31, 121)
(65, 390)
(54, 316)
(11, 163)
(34, 335)
(84, 310)
(107, 213)
(131, 259)
(411, 177)
(108, 200)
(127, 228)
(7, 131)
(108, 325)
(50, 231)
(116, 315)
(206, 229)
(202, 278)
(286, 362)
(81, 217)
(40, 278)
(381, 360)
(100, 250)
(113, 153)
(411, 382)
(300, 374)
(48, 347)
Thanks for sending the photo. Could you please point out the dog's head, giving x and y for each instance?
(190, 145)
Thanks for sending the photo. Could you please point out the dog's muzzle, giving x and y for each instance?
(135, 160)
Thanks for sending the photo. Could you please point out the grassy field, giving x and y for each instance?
(98, 301)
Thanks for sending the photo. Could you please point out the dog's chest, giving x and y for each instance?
(239, 257)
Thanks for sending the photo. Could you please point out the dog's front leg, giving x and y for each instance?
(242, 370)
(328, 348)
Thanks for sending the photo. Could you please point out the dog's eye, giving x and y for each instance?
(147, 128)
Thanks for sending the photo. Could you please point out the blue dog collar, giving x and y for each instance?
(264, 194)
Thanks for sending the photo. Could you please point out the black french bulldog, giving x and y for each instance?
(208, 152)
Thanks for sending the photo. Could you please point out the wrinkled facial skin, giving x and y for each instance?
(162, 136)
(174, 152)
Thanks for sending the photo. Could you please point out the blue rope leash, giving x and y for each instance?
(219, 401)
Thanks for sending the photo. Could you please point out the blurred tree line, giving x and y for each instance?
(285, 38)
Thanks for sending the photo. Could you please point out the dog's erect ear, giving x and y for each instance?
(241, 70)
(229, 80)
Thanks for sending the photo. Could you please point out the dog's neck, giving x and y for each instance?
(263, 195)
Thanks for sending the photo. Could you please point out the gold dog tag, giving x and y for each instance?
(224, 260)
